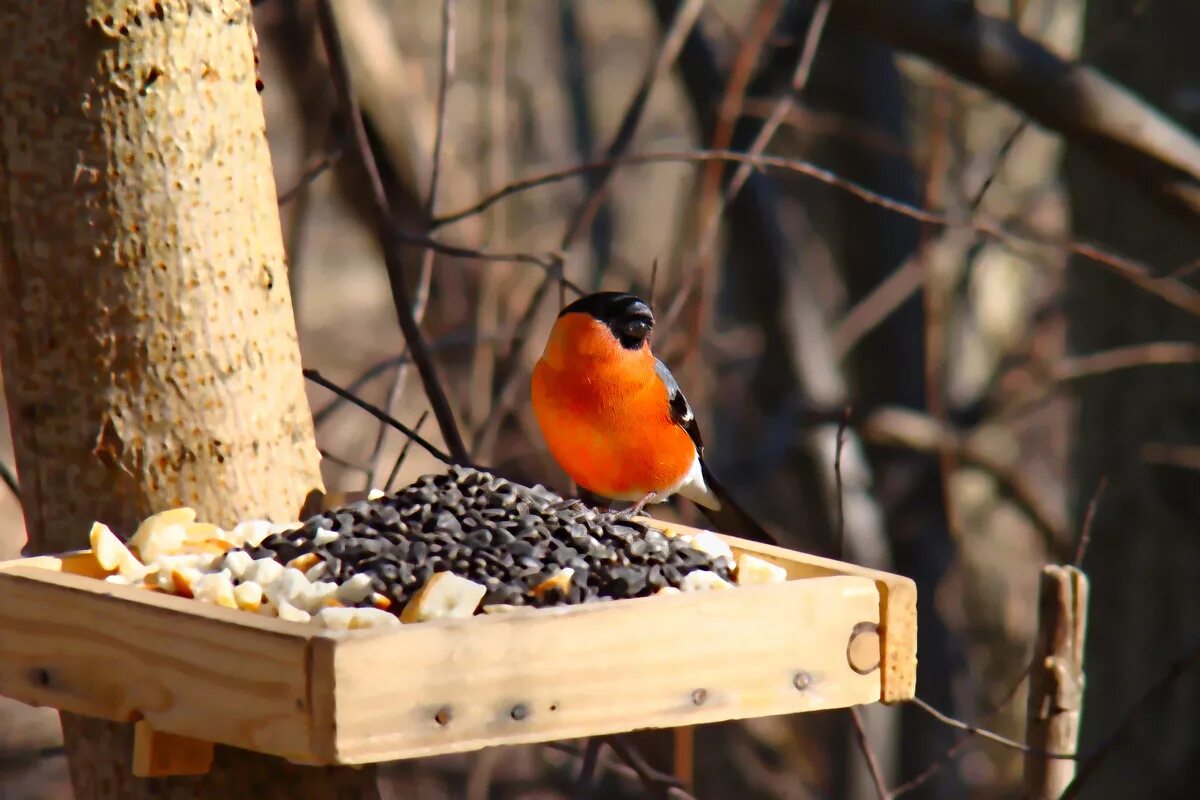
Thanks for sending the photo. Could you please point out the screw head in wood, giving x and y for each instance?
(863, 650)
(802, 680)
(699, 696)
(443, 715)
(519, 712)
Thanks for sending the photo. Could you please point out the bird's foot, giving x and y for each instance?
(634, 509)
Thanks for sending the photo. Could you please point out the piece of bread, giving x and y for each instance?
(444, 596)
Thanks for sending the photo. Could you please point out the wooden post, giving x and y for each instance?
(146, 329)
(1056, 682)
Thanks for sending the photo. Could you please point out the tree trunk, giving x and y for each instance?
(148, 343)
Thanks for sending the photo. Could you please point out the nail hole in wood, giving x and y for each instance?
(519, 712)
(802, 680)
(863, 650)
(699, 696)
(39, 676)
(442, 717)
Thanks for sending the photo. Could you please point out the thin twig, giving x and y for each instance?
(391, 479)
(868, 752)
(1110, 36)
(425, 276)
(378, 368)
(964, 740)
(340, 461)
(1088, 766)
(420, 303)
(587, 770)
(652, 779)
(506, 397)
(388, 236)
(1075, 368)
(551, 263)
(447, 75)
(380, 414)
(653, 281)
(800, 76)
(905, 427)
(328, 160)
(1089, 517)
(10, 480)
(728, 112)
(985, 734)
(1149, 354)
(681, 26)
(649, 777)
(1173, 291)
(371, 373)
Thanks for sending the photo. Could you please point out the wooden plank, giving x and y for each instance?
(561, 673)
(1056, 682)
(126, 654)
(898, 604)
(158, 754)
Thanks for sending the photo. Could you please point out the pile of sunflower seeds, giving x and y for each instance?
(524, 546)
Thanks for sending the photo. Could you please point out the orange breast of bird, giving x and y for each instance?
(604, 413)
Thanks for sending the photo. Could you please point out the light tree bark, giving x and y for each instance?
(146, 328)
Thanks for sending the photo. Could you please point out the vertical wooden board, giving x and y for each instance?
(186, 667)
(158, 754)
(897, 594)
(562, 673)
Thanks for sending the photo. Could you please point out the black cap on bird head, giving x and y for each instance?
(627, 316)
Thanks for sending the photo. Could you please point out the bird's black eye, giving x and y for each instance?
(637, 329)
(632, 332)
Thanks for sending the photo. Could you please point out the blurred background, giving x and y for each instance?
(989, 385)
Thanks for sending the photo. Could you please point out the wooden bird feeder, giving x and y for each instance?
(190, 674)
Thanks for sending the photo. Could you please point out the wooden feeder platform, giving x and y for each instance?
(190, 674)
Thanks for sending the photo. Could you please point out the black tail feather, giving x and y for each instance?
(731, 518)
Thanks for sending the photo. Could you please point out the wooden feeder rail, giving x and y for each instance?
(189, 674)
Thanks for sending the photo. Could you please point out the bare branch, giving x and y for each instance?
(912, 429)
(348, 105)
(1100, 116)
(799, 80)
(443, 89)
(860, 734)
(381, 415)
(1089, 517)
(1169, 289)
(1136, 10)
(1138, 355)
(328, 160)
(10, 480)
(391, 479)
(712, 225)
(681, 26)
(985, 734)
(1176, 455)
(425, 276)
(587, 770)
(655, 782)
(1156, 693)
(965, 739)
